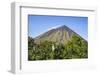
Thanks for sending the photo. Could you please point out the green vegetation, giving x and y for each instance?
(75, 48)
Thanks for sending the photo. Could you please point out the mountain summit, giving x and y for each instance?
(59, 35)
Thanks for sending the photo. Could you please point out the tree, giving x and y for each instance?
(31, 45)
(58, 52)
(79, 47)
(76, 47)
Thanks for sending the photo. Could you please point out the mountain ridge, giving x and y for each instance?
(60, 34)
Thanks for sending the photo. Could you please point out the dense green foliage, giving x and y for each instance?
(76, 47)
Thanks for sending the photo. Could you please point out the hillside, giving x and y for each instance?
(58, 35)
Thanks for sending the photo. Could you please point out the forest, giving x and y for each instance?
(75, 48)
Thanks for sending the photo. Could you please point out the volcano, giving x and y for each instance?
(60, 34)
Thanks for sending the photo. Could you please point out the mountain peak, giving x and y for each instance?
(59, 35)
(63, 26)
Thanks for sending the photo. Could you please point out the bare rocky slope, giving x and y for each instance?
(59, 35)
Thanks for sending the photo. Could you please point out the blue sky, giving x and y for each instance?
(38, 24)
